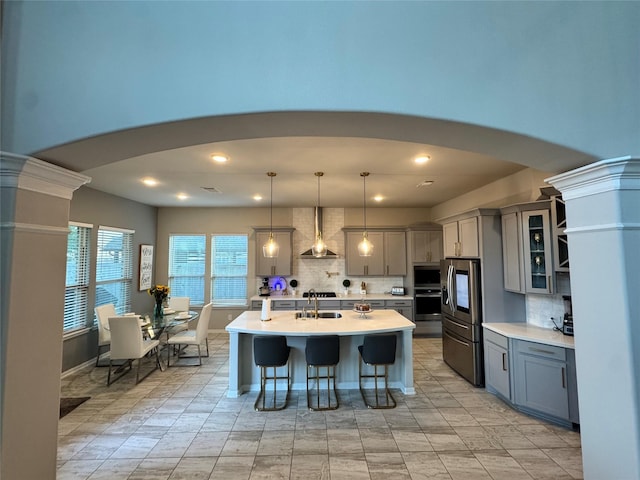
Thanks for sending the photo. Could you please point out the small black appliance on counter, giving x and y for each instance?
(567, 322)
(265, 291)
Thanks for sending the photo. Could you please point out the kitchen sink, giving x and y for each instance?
(320, 315)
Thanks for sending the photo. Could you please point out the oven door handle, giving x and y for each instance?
(456, 340)
(427, 295)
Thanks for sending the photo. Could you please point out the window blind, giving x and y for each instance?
(114, 268)
(187, 267)
(229, 269)
(77, 278)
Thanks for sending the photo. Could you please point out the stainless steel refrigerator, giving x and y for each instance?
(462, 318)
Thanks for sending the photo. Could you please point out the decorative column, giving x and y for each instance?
(603, 217)
(34, 216)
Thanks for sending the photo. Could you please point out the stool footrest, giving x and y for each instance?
(330, 377)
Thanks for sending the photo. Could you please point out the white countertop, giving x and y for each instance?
(340, 296)
(351, 323)
(531, 333)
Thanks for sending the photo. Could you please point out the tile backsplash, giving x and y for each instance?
(541, 308)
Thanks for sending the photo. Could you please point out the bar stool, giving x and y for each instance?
(271, 351)
(376, 351)
(322, 352)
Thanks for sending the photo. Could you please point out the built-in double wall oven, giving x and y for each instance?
(427, 303)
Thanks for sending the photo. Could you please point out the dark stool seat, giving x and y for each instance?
(378, 351)
(271, 351)
(322, 352)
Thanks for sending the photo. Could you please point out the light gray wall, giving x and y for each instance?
(98, 208)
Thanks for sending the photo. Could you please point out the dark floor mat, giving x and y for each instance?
(68, 405)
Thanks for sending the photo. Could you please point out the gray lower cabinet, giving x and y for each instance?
(496, 364)
(403, 307)
(535, 378)
(540, 377)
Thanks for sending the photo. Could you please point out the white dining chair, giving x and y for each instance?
(179, 304)
(127, 343)
(103, 313)
(192, 338)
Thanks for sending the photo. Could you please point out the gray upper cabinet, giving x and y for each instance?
(461, 238)
(280, 265)
(426, 246)
(395, 253)
(389, 254)
(558, 226)
(512, 253)
(363, 266)
(527, 248)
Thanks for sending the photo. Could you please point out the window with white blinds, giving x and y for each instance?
(229, 270)
(114, 268)
(187, 260)
(76, 293)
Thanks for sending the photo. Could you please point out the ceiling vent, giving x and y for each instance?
(211, 189)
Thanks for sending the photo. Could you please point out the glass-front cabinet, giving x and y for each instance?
(538, 261)
(527, 250)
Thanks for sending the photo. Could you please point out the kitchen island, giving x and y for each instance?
(352, 327)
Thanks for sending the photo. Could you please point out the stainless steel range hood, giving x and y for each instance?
(308, 253)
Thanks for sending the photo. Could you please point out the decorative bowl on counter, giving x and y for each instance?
(362, 307)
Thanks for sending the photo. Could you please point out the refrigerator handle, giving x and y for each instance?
(450, 286)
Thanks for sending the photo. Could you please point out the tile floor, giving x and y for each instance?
(179, 424)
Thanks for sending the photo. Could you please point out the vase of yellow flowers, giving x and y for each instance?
(160, 293)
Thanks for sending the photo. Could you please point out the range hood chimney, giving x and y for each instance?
(308, 253)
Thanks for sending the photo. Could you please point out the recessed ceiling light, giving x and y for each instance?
(378, 198)
(218, 157)
(424, 183)
(257, 198)
(422, 159)
(150, 182)
(182, 196)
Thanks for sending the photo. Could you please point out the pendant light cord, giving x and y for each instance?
(271, 175)
(364, 176)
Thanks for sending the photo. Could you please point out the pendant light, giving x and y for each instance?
(271, 248)
(365, 247)
(319, 248)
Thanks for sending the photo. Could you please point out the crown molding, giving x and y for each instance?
(621, 173)
(28, 173)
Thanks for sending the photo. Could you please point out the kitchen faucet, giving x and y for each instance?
(312, 293)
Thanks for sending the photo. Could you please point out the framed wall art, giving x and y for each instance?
(146, 266)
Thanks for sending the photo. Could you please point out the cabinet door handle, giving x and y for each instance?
(564, 383)
(504, 362)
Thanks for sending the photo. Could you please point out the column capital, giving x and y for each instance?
(29, 173)
(621, 173)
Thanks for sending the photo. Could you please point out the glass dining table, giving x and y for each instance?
(154, 327)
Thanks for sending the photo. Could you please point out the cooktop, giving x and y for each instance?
(321, 294)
